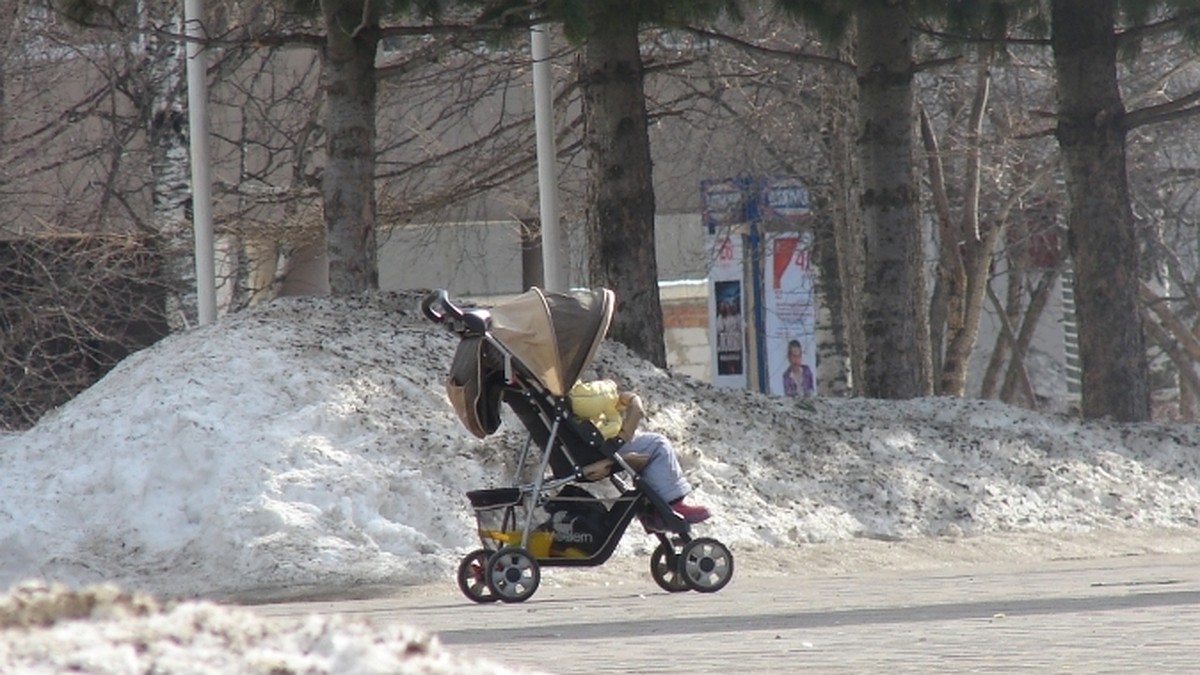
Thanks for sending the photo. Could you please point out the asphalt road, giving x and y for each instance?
(1130, 614)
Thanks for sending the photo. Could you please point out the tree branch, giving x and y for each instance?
(1180, 108)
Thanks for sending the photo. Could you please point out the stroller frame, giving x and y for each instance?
(516, 538)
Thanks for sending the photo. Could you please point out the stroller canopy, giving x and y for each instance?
(555, 335)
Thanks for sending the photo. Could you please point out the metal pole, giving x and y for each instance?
(202, 222)
(543, 114)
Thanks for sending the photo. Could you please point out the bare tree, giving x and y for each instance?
(95, 200)
(71, 307)
(348, 183)
(996, 178)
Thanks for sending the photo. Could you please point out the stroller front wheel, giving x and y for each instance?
(512, 574)
(472, 577)
(706, 565)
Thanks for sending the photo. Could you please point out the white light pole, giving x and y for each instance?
(543, 115)
(202, 222)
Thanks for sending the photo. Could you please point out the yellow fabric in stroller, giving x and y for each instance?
(598, 402)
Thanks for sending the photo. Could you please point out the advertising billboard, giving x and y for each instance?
(726, 311)
(789, 315)
(762, 305)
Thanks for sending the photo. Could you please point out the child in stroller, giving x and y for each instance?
(618, 413)
(528, 353)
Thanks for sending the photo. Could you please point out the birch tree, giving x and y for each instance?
(163, 61)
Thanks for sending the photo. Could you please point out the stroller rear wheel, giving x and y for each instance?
(706, 565)
(472, 578)
(512, 574)
(664, 567)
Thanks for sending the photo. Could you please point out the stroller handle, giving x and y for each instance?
(436, 306)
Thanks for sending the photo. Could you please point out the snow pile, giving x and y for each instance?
(307, 446)
(101, 629)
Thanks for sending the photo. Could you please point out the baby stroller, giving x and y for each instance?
(527, 353)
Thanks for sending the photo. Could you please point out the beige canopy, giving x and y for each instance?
(555, 335)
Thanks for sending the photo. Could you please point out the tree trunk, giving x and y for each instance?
(1183, 361)
(1008, 313)
(348, 183)
(7, 45)
(170, 168)
(962, 330)
(950, 283)
(1018, 372)
(620, 205)
(843, 276)
(895, 320)
(1100, 221)
(1187, 392)
(1171, 323)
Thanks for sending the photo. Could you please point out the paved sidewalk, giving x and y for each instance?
(1135, 614)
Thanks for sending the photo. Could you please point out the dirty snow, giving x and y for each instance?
(306, 446)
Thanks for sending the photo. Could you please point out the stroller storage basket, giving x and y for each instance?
(500, 514)
(572, 524)
(494, 497)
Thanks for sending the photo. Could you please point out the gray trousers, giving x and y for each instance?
(662, 474)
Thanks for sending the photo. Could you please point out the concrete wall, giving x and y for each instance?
(685, 319)
(485, 257)
(483, 260)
